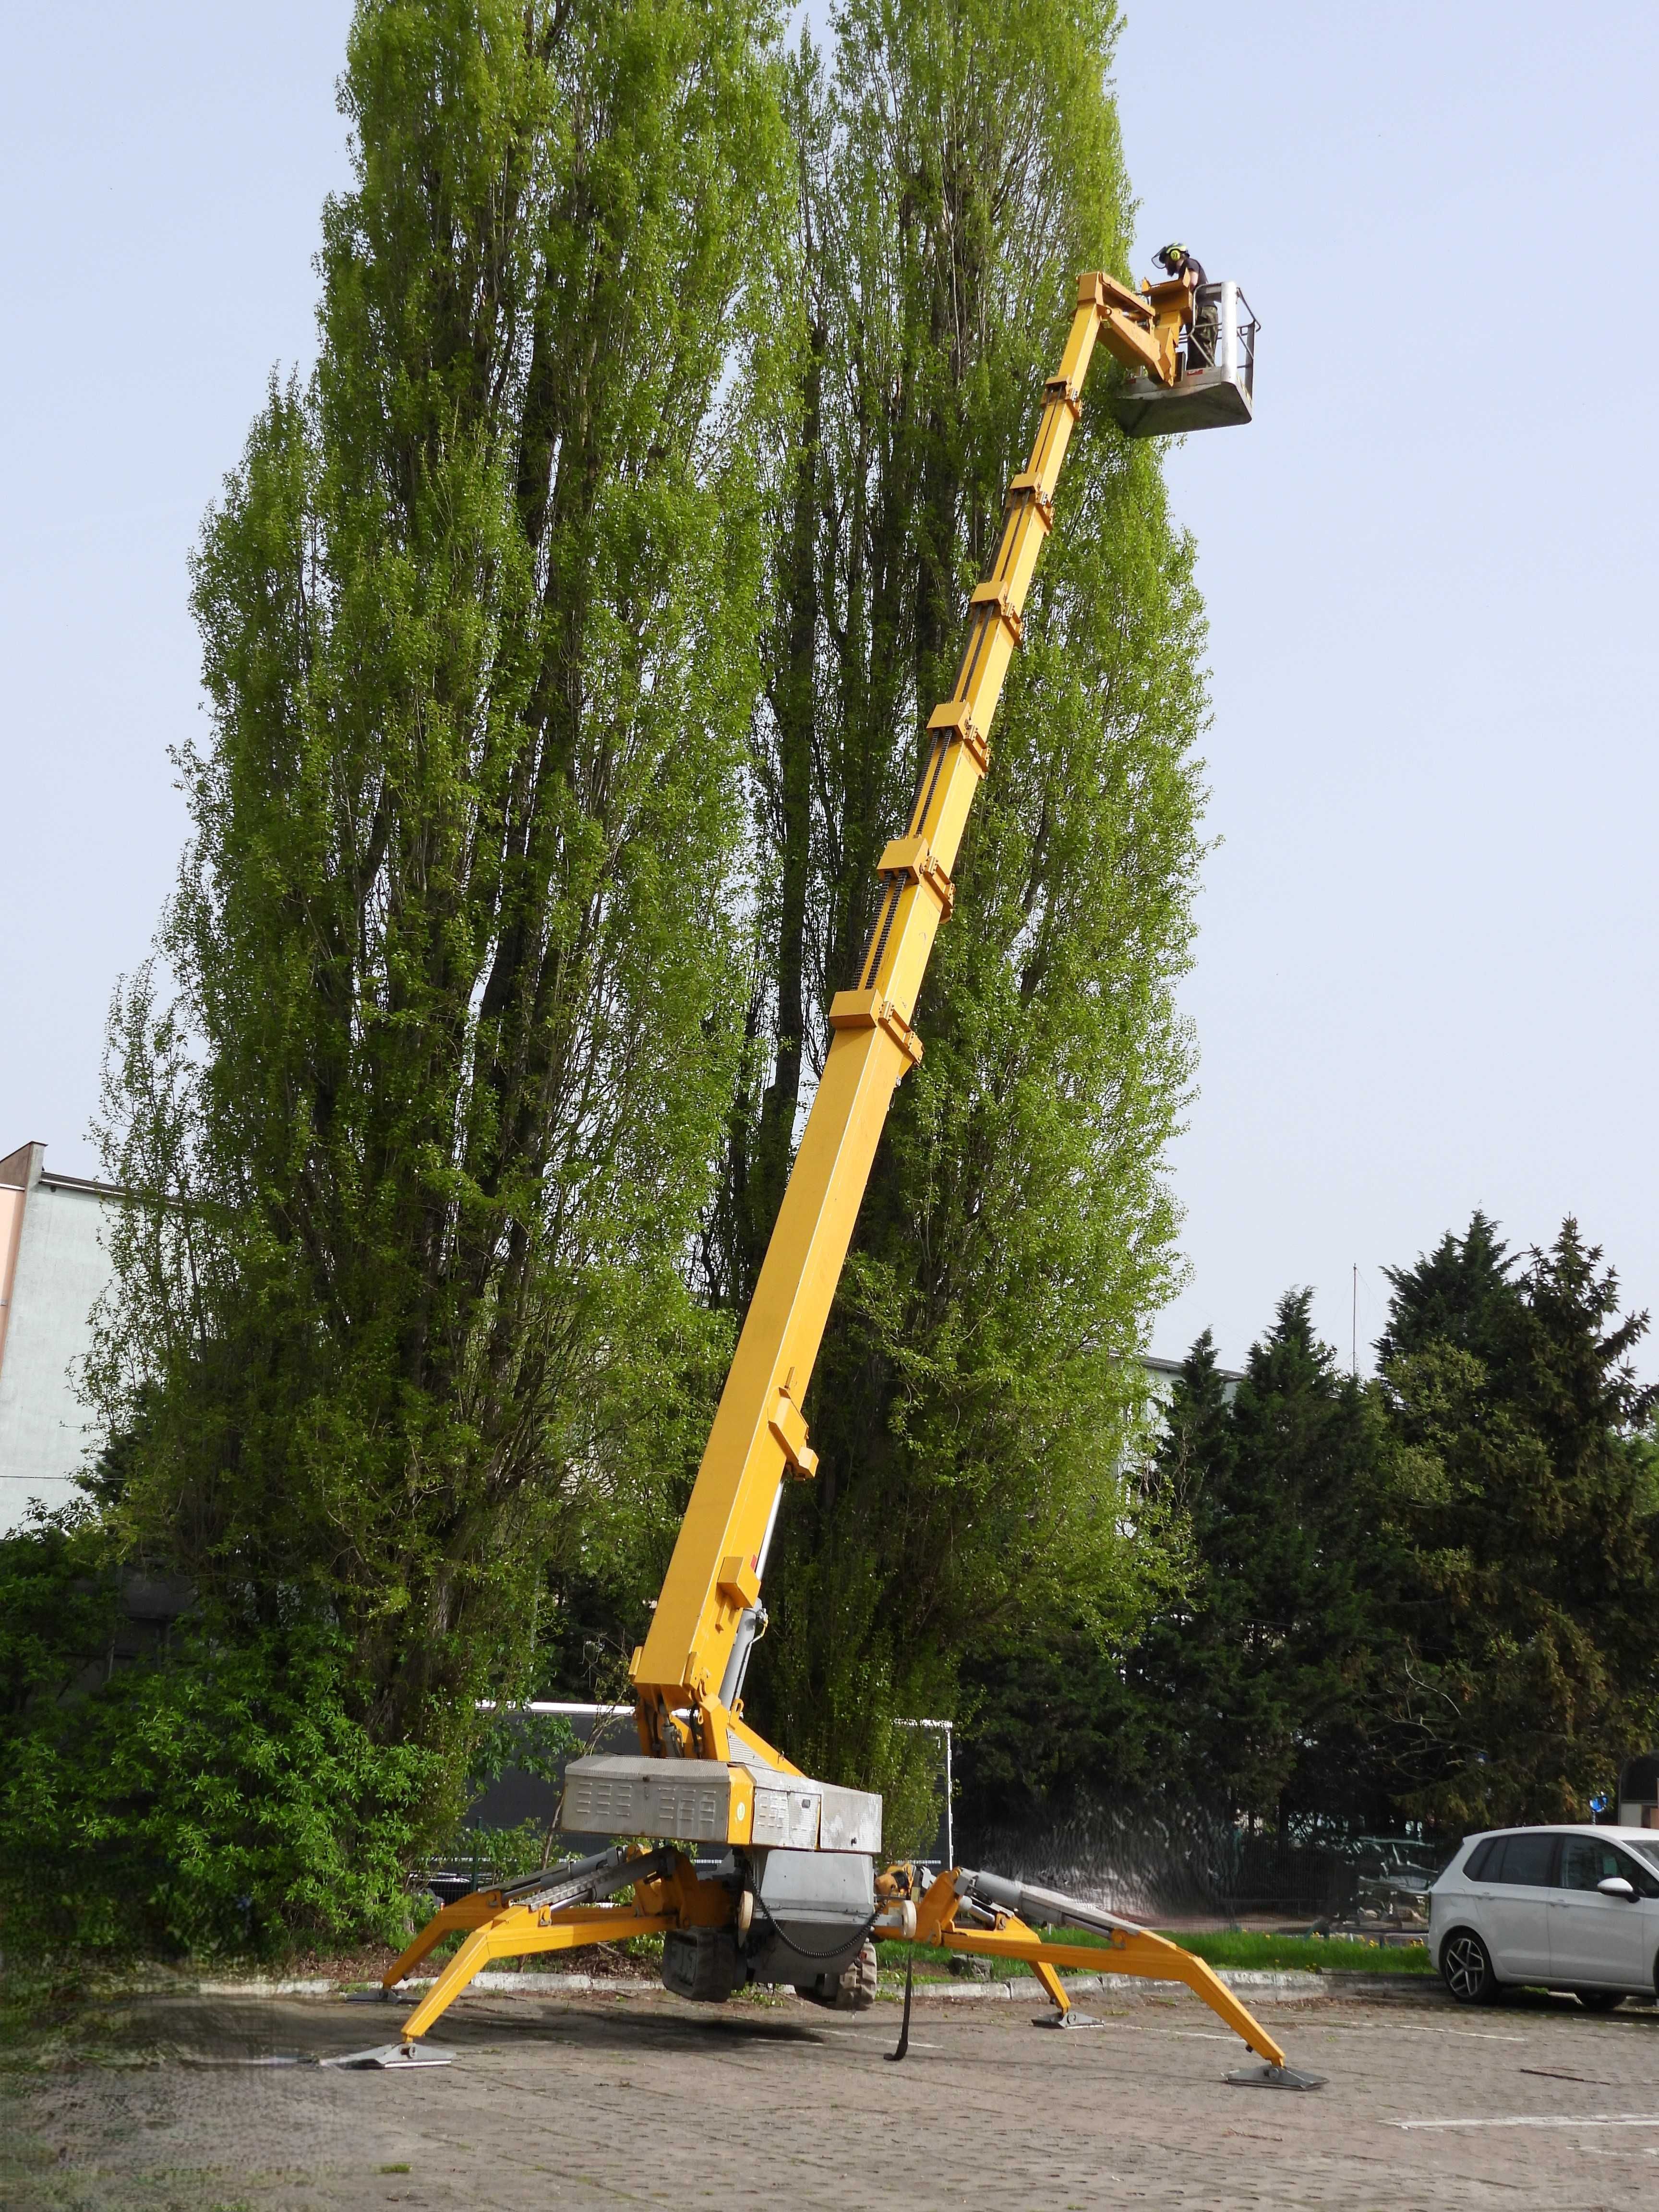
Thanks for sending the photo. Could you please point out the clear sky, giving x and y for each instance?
(1425, 976)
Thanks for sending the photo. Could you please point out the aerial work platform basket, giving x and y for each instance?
(1216, 383)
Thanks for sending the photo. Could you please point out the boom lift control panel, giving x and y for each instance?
(793, 1894)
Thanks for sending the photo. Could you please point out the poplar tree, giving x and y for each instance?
(430, 1117)
(958, 164)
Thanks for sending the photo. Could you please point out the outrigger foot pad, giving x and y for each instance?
(1275, 2077)
(386, 2055)
(1072, 2018)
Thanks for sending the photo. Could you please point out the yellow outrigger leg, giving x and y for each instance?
(955, 1899)
(560, 1909)
(979, 1915)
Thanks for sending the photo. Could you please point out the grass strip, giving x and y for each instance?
(1238, 1948)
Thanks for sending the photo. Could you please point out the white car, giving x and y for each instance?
(1560, 1908)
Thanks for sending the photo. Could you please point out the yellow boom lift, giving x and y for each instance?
(793, 1895)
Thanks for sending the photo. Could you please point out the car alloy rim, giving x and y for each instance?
(1465, 1966)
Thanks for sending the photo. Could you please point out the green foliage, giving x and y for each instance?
(1519, 1667)
(536, 1744)
(218, 1797)
(979, 1389)
(59, 1612)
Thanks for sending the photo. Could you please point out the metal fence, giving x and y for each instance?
(1152, 1860)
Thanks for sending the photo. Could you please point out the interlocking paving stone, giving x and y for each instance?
(590, 2100)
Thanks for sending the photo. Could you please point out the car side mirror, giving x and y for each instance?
(1616, 1886)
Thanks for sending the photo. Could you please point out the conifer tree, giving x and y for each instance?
(1520, 1533)
(1252, 1690)
(1287, 1610)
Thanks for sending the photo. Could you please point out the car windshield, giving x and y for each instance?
(1649, 1851)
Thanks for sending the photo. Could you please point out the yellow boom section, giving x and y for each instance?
(758, 1432)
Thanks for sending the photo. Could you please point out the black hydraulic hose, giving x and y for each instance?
(904, 2025)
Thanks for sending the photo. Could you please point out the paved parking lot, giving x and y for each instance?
(639, 2099)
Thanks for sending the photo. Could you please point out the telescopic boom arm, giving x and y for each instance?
(759, 1435)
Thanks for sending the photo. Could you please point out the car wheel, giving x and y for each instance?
(1466, 1968)
(1599, 2000)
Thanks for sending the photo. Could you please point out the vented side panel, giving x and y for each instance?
(686, 1801)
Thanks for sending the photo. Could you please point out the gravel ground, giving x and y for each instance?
(596, 2100)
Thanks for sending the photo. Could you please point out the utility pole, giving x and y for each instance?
(1354, 1340)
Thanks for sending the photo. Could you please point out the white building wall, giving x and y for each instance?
(60, 1271)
